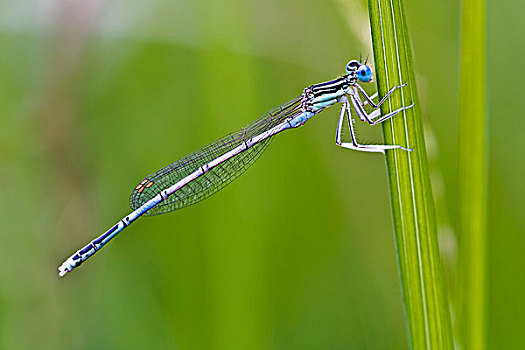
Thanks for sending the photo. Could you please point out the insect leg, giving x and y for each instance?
(367, 117)
(369, 98)
(354, 145)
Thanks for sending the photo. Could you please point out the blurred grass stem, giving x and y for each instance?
(470, 303)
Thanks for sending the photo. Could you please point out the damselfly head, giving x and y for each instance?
(359, 70)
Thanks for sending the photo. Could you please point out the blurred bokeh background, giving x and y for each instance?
(298, 253)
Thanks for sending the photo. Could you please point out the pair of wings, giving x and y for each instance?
(217, 177)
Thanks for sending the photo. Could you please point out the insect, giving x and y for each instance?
(205, 171)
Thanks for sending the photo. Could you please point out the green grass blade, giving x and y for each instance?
(472, 179)
(426, 305)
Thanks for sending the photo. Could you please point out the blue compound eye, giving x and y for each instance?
(364, 74)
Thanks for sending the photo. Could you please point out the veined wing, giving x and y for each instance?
(217, 177)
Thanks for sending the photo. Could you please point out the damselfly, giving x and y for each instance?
(204, 172)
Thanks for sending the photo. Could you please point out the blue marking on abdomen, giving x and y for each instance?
(106, 234)
(300, 120)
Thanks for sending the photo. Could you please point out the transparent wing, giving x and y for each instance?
(217, 177)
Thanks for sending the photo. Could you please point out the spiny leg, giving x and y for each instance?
(369, 98)
(340, 126)
(368, 117)
(353, 144)
(374, 95)
(391, 114)
(381, 148)
(376, 112)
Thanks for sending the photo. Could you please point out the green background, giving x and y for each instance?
(298, 253)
